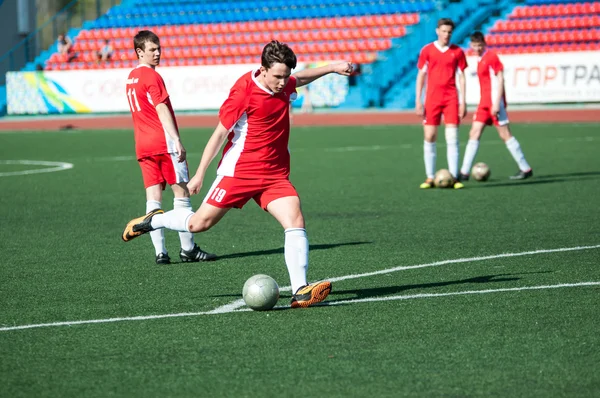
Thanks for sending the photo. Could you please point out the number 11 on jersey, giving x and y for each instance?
(132, 97)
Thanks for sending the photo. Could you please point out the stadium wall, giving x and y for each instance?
(544, 78)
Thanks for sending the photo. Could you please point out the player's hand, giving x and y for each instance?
(194, 185)
(181, 154)
(419, 109)
(462, 111)
(343, 68)
(495, 109)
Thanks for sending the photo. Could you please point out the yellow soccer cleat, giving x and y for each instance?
(139, 226)
(311, 294)
(427, 184)
(458, 185)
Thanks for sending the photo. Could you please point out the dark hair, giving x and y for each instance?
(445, 21)
(139, 40)
(477, 37)
(276, 52)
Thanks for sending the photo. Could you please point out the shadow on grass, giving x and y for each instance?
(540, 179)
(280, 250)
(392, 290)
(389, 290)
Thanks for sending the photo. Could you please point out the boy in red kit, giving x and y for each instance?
(491, 110)
(254, 123)
(439, 62)
(158, 146)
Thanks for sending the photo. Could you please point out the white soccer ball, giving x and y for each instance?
(480, 171)
(260, 292)
(443, 179)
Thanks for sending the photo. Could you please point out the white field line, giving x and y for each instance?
(330, 303)
(428, 295)
(237, 304)
(54, 166)
(240, 303)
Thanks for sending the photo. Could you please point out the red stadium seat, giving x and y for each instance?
(328, 23)
(398, 31)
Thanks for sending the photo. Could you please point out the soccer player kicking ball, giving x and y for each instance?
(440, 61)
(491, 109)
(158, 147)
(255, 122)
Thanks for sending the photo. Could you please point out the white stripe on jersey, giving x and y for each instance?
(181, 169)
(231, 157)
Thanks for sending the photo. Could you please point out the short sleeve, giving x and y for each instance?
(462, 60)
(156, 88)
(234, 107)
(496, 64)
(423, 58)
(290, 88)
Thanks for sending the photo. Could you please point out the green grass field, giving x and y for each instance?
(493, 290)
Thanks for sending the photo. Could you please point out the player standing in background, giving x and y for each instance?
(158, 146)
(255, 122)
(491, 110)
(440, 61)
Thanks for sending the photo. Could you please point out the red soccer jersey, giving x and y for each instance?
(259, 125)
(487, 68)
(146, 89)
(441, 65)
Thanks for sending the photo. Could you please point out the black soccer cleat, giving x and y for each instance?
(463, 177)
(163, 259)
(195, 255)
(521, 175)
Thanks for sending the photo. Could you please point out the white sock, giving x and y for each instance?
(429, 155)
(515, 150)
(158, 235)
(186, 238)
(296, 256)
(175, 220)
(452, 150)
(470, 153)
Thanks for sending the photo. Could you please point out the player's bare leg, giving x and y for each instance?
(205, 217)
(153, 202)
(471, 149)
(288, 212)
(429, 154)
(515, 150)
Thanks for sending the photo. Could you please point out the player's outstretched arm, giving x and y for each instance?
(420, 84)
(311, 74)
(210, 151)
(166, 119)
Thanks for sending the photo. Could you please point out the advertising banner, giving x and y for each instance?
(544, 78)
(95, 91)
